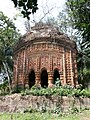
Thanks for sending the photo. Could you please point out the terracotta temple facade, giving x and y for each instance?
(43, 55)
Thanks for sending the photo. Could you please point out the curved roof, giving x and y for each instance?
(43, 32)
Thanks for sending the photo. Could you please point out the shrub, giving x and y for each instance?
(56, 90)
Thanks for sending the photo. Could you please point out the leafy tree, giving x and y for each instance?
(8, 37)
(27, 6)
(79, 12)
(83, 63)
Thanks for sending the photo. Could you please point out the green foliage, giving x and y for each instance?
(56, 91)
(85, 93)
(27, 6)
(79, 11)
(8, 37)
(79, 14)
(4, 88)
(86, 75)
(60, 91)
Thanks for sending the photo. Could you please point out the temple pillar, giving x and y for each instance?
(71, 68)
(63, 75)
(50, 79)
(75, 70)
(37, 78)
(61, 78)
(27, 80)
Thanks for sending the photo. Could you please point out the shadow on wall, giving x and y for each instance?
(44, 78)
(31, 78)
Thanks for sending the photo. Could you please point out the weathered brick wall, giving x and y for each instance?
(49, 56)
(18, 103)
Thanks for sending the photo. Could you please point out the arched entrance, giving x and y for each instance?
(44, 78)
(56, 75)
(31, 78)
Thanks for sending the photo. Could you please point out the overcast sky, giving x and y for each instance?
(8, 9)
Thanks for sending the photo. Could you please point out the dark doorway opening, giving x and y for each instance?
(44, 79)
(56, 76)
(31, 78)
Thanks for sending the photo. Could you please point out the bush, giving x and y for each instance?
(4, 88)
(60, 90)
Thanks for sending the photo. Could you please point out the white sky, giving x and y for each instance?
(7, 7)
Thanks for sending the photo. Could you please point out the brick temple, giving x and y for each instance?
(43, 55)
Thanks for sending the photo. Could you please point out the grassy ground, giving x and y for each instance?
(85, 115)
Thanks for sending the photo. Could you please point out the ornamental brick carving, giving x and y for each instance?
(45, 51)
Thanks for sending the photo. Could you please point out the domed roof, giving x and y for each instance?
(42, 32)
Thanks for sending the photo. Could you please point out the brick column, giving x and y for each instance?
(27, 80)
(50, 79)
(64, 68)
(75, 69)
(37, 78)
(24, 66)
(71, 69)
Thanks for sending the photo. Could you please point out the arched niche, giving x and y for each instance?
(56, 75)
(31, 78)
(44, 78)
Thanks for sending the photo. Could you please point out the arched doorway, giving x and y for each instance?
(44, 78)
(31, 78)
(56, 75)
